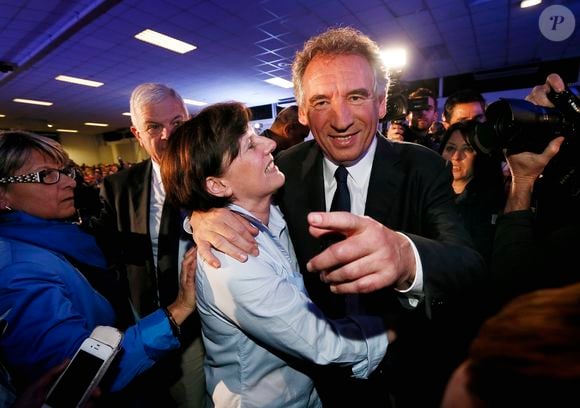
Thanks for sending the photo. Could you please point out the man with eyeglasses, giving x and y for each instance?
(142, 235)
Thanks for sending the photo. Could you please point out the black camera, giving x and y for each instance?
(520, 126)
(398, 106)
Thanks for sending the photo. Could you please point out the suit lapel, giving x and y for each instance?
(140, 196)
(313, 180)
(384, 183)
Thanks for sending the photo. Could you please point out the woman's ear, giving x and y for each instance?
(218, 187)
(4, 205)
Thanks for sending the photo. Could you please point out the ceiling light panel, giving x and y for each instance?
(79, 81)
(194, 102)
(32, 102)
(281, 82)
(529, 3)
(164, 41)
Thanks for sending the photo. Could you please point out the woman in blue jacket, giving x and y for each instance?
(47, 306)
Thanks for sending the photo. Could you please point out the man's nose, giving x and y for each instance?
(166, 132)
(342, 115)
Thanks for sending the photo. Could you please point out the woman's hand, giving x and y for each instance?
(184, 304)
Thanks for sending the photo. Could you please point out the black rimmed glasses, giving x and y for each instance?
(48, 176)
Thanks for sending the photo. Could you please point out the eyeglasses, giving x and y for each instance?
(48, 176)
(156, 129)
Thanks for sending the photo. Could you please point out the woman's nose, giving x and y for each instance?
(457, 155)
(268, 144)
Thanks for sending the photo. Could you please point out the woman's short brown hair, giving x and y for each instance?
(202, 147)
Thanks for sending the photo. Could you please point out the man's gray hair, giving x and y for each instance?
(339, 41)
(151, 93)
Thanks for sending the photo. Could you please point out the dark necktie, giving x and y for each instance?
(341, 199)
(343, 304)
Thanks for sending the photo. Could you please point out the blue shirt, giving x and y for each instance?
(257, 317)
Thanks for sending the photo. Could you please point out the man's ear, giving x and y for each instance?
(303, 116)
(288, 130)
(218, 187)
(382, 100)
(135, 132)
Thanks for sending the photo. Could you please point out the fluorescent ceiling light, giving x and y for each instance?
(78, 81)
(164, 41)
(67, 130)
(2, 116)
(281, 82)
(96, 124)
(394, 58)
(32, 102)
(126, 113)
(194, 102)
(49, 125)
(529, 3)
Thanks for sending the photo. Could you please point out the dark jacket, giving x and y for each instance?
(409, 191)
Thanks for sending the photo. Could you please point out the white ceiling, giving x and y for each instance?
(241, 43)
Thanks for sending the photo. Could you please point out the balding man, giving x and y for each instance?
(286, 130)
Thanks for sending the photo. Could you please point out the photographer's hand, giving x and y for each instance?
(525, 168)
(539, 94)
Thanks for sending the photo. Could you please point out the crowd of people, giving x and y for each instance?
(353, 269)
(93, 175)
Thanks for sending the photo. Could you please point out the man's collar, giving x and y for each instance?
(361, 166)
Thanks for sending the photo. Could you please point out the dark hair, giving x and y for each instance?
(424, 92)
(462, 96)
(487, 169)
(528, 354)
(199, 148)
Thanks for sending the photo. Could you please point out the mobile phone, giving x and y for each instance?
(88, 366)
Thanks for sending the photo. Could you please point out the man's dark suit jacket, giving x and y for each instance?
(409, 191)
(123, 231)
(125, 216)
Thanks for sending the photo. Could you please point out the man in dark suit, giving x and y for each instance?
(142, 234)
(405, 256)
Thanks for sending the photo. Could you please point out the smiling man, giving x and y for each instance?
(405, 256)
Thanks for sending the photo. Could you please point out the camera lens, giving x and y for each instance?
(522, 126)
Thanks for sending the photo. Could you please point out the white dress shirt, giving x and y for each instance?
(359, 175)
(156, 201)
